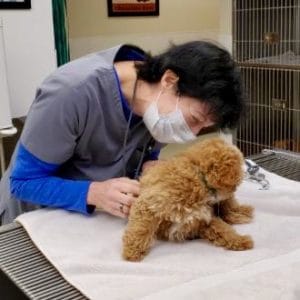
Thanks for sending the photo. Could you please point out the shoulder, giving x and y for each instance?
(79, 70)
(94, 65)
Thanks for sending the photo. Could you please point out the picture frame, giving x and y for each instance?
(125, 8)
(17, 4)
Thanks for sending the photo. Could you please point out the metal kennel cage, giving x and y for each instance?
(266, 46)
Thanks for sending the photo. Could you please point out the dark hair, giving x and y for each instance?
(206, 72)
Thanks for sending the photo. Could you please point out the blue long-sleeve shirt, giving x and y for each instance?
(35, 181)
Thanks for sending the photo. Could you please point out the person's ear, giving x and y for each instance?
(169, 80)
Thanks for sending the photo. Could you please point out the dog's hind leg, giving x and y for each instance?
(222, 234)
(232, 212)
(139, 234)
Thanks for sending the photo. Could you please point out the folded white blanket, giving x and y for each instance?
(87, 252)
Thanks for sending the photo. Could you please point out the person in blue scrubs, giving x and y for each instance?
(98, 121)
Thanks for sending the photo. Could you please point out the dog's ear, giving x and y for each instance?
(222, 163)
(226, 171)
(203, 152)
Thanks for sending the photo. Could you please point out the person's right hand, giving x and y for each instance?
(114, 195)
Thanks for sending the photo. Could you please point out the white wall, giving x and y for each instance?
(179, 21)
(5, 118)
(154, 42)
(225, 34)
(30, 53)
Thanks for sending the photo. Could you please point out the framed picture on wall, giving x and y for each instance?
(15, 4)
(123, 8)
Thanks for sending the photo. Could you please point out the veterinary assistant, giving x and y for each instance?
(97, 121)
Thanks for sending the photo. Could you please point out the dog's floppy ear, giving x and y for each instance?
(222, 163)
(227, 169)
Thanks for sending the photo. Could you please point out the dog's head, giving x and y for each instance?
(220, 163)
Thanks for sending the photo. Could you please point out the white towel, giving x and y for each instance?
(87, 252)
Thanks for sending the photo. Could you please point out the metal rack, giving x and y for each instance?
(283, 163)
(24, 271)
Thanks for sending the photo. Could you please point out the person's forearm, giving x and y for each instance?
(53, 192)
(33, 180)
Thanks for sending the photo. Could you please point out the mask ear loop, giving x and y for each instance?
(158, 96)
(177, 103)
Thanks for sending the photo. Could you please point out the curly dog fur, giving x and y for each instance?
(190, 196)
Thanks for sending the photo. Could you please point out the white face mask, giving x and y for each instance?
(169, 128)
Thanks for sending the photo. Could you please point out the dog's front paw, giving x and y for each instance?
(133, 254)
(239, 215)
(134, 249)
(242, 242)
(246, 211)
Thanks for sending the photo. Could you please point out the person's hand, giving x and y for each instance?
(114, 195)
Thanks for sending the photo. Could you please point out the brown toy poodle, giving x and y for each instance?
(190, 196)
